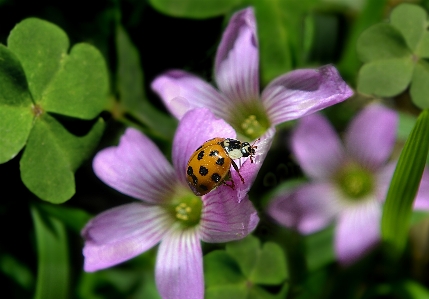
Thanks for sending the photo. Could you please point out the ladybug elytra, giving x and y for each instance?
(209, 166)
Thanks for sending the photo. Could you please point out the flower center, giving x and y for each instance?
(250, 121)
(355, 182)
(252, 127)
(187, 209)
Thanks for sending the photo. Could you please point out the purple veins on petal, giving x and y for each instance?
(136, 167)
(224, 218)
(237, 59)
(357, 231)
(238, 101)
(121, 233)
(179, 266)
(182, 92)
(302, 92)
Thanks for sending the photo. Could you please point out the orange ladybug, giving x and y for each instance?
(209, 166)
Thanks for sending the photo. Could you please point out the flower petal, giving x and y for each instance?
(121, 233)
(224, 218)
(181, 92)
(179, 266)
(302, 92)
(196, 127)
(249, 170)
(371, 136)
(384, 177)
(309, 208)
(237, 58)
(317, 147)
(135, 167)
(357, 230)
(422, 198)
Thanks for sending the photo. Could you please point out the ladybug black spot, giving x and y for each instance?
(203, 187)
(215, 177)
(220, 161)
(200, 155)
(213, 153)
(203, 171)
(190, 171)
(194, 179)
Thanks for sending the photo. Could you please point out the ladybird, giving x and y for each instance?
(209, 166)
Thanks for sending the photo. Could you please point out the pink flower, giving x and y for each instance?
(238, 100)
(167, 211)
(348, 183)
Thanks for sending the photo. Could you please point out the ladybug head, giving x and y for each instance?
(248, 150)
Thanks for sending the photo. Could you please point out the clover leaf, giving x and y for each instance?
(194, 9)
(39, 81)
(394, 56)
(238, 271)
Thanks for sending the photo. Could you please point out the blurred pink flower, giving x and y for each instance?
(348, 183)
(237, 98)
(167, 211)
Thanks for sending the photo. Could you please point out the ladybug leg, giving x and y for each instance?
(254, 147)
(232, 186)
(236, 169)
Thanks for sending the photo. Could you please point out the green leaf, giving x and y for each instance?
(132, 281)
(53, 264)
(257, 292)
(223, 277)
(385, 78)
(227, 292)
(274, 36)
(13, 84)
(15, 126)
(372, 12)
(73, 218)
(310, 288)
(74, 85)
(52, 155)
(130, 88)
(245, 252)
(130, 76)
(195, 9)
(270, 268)
(40, 46)
(148, 288)
(220, 269)
(16, 116)
(418, 216)
(80, 88)
(266, 265)
(423, 47)
(381, 41)
(405, 126)
(320, 249)
(419, 90)
(411, 289)
(410, 20)
(404, 185)
(17, 271)
(281, 44)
